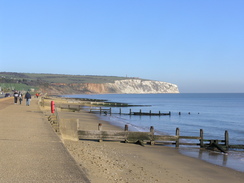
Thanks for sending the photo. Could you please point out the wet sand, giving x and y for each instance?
(117, 162)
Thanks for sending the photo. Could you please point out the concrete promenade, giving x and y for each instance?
(30, 151)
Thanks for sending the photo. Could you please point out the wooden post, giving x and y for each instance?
(152, 142)
(130, 111)
(120, 111)
(126, 128)
(100, 129)
(159, 113)
(100, 126)
(42, 101)
(177, 133)
(169, 113)
(226, 139)
(215, 144)
(201, 136)
(140, 111)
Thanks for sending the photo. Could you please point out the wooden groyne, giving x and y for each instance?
(150, 137)
(153, 139)
(140, 113)
(104, 110)
(150, 113)
(100, 106)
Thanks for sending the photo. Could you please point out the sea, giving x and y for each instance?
(213, 112)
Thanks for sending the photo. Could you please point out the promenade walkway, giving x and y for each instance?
(30, 151)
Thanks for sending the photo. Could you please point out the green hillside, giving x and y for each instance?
(60, 78)
(25, 81)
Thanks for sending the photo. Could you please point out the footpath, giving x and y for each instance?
(30, 151)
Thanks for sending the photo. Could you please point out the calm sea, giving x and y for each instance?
(214, 113)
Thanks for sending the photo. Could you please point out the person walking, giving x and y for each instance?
(28, 98)
(16, 97)
(20, 97)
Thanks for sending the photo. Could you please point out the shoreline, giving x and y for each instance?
(228, 160)
(233, 159)
(122, 162)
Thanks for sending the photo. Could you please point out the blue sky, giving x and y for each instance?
(196, 44)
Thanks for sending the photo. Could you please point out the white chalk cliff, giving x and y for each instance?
(140, 86)
(118, 86)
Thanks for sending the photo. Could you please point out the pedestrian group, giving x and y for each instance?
(19, 96)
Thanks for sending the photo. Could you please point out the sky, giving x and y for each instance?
(195, 44)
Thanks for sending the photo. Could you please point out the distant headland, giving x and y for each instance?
(57, 84)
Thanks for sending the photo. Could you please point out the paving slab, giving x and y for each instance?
(30, 150)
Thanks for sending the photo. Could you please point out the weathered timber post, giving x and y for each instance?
(169, 113)
(100, 129)
(42, 99)
(126, 130)
(177, 133)
(150, 112)
(226, 139)
(130, 111)
(100, 126)
(159, 113)
(140, 111)
(201, 137)
(215, 144)
(120, 111)
(152, 142)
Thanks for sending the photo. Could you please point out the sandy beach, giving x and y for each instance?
(117, 162)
